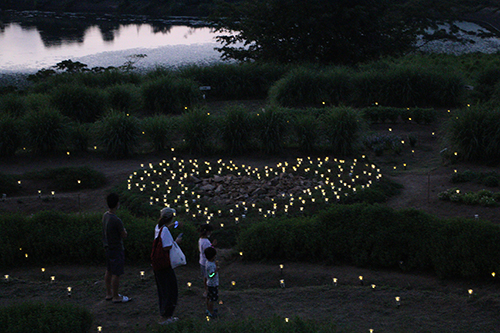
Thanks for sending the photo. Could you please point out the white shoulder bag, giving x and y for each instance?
(177, 257)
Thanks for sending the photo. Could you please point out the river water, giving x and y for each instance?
(38, 42)
(30, 41)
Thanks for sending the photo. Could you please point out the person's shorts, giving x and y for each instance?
(213, 294)
(203, 271)
(115, 261)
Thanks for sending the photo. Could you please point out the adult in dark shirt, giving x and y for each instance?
(113, 234)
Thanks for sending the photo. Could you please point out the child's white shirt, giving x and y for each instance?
(212, 274)
(203, 244)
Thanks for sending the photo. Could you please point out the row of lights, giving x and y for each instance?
(233, 283)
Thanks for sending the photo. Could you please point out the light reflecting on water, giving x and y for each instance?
(30, 48)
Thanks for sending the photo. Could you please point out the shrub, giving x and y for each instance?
(271, 127)
(463, 177)
(306, 87)
(13, 104)
(107, 78)
(407, 86)
(491, 181)
(342, 127)
(119, 133)
(235, 128)
(169, 95)
(79, 135)
(474, 133)
(45, 130)
(52, 237)
(465, 248)
(160, 130)
(486, 82)
(235, 81)
(377, 236)
(423, 116)
(45, 318)
(38, 102)
(78, 102)
(368, 88)
(10, 135)
(124, 97)
(306, 131)
(197, 130)
(391, 114)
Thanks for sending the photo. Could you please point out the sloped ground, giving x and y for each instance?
(427, 304)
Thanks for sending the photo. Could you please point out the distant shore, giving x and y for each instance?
(489, 17)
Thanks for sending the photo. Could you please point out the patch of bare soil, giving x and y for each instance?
(426, 303)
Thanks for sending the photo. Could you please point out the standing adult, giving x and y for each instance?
(166, 281)
(113, 234)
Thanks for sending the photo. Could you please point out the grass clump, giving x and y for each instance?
(80, 103)
(169, 95)
(235, 81)
(306, 132)
(474, 133)
(342, 128)
(44, 318)
(10, 135)
(306, 87)
(45, 130)
(13, 104)
(79, 136)
(197, 128)
(236, 129)
(124, 98)
(160, 131)
(271, 128)
(407, 86)
(118, 133)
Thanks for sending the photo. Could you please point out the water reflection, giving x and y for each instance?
(56, 30)
(36, 40)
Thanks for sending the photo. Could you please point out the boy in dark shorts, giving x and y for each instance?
(113, 234)
(212, 281)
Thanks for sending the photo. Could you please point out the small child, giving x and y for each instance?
(203, 243)
(212, 281)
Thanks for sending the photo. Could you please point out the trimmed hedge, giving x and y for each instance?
(379, 237)
(52, 237)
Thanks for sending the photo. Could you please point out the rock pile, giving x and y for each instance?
(231, 189)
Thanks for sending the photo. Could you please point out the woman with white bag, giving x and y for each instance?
(166, 255)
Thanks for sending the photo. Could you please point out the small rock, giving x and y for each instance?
(208, 187)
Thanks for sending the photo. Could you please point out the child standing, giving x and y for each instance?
(204, 243)
(212, 281)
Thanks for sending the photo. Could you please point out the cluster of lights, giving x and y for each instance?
(170, 183)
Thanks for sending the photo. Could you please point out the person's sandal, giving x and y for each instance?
(170, 320)
(124, 299)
